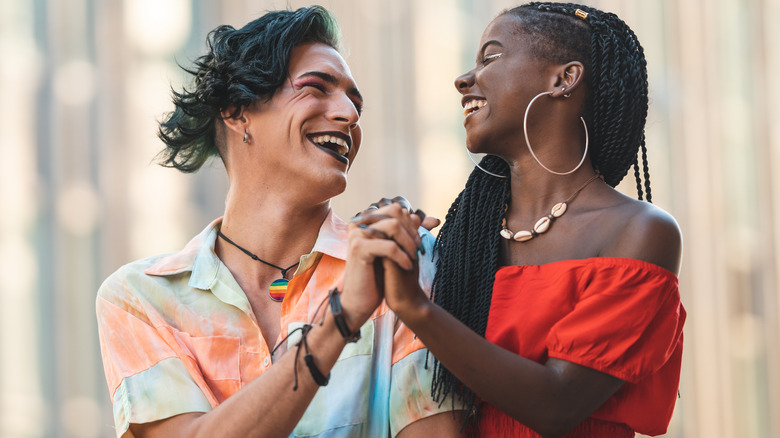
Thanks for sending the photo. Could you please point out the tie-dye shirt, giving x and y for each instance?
(178, 335)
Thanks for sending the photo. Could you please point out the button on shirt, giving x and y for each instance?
(178, 335)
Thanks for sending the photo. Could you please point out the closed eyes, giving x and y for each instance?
(488, 58)
(322, 88)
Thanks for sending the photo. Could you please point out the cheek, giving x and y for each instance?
(357, 139)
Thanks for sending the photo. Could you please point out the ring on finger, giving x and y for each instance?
(374, 231)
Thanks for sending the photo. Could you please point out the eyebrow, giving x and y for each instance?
(333, 80)
(484, 46)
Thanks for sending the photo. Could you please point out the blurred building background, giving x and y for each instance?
(82, 83)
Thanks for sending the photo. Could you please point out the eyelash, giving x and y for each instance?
(314, 85)
(320, 87)
(489, 58)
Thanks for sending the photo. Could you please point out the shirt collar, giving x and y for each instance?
(332, 238)
(198, 255)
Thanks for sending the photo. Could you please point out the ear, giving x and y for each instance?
(237, 123)
(569, 78)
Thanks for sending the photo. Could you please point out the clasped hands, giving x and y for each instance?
(382, 261)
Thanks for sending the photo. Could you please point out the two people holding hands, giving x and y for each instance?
(569, 326)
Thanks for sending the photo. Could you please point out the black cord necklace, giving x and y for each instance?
(278, 287)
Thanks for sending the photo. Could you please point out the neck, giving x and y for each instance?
(271, 227)
(559, 145)
(534, 190)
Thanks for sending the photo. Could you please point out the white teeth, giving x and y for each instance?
(343, 148)
(473, 105)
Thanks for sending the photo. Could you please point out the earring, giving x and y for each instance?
(528, 143)
(246, 137)
(482, 168)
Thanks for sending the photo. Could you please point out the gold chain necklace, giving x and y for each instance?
(543, 224)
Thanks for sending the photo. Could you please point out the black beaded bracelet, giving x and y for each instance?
(338, 317)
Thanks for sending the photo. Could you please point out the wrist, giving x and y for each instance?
(348, 327)
(414, 312)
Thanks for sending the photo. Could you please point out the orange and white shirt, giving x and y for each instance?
(178, 335)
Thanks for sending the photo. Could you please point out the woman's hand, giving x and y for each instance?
(388, 232)
(403, 293)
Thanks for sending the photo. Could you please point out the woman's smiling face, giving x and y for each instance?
(496, 92)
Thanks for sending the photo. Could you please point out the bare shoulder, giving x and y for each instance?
(647, 233)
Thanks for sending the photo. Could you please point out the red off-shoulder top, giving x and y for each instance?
(619, 316)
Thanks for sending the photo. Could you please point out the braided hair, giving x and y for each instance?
(468, 243)
(241, 66)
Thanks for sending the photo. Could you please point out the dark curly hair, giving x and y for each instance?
(241, 66)
(616, 74)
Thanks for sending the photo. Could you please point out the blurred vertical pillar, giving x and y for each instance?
(729, 281)
(23, 408)
(110, 133)
(767, 97)
(68, 150)
(690, 67)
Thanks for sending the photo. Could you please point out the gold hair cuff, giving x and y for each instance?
(581, 14)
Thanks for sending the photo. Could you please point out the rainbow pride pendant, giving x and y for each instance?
(278, 289)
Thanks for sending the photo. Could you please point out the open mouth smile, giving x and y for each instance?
(337, 144)
(473, 105)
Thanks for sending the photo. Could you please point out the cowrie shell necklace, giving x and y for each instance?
(543, 224)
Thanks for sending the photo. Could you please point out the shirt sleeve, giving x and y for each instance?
(410, 392)
(627, 323)
(148, 379)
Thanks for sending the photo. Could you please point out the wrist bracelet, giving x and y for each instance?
(316, 374)
(308, 359)
(338, 317)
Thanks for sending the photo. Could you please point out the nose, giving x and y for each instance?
(343, 110)
(464, 81)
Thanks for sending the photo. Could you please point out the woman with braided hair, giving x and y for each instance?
(556, 309)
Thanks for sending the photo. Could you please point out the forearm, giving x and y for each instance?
(266, 407)
(477, 362)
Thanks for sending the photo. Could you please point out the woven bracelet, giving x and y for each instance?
(316, 374)
(308, 359)
(338, 317)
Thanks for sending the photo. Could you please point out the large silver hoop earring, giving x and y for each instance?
(528, 143)
(482, 168)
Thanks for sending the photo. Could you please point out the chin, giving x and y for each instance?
(334, 185)
(475, 145)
